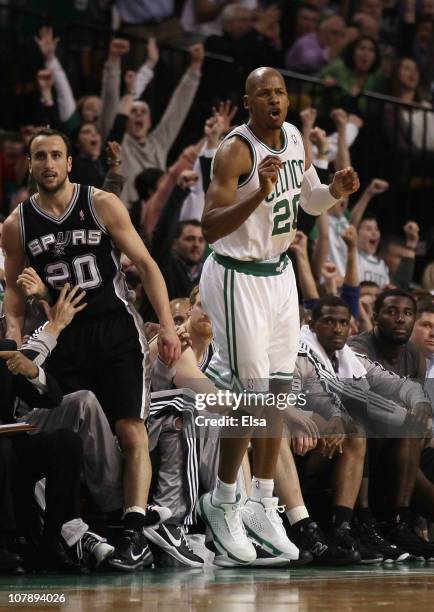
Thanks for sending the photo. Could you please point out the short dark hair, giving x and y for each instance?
(348, 53)
(368, 283)
(424, 306)
(49, 132)
(327, 300)
(2, 218)
(146, 182)
(368, 217)
(182, 224)
(379, 301)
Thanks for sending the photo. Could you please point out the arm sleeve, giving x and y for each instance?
(315, 198)
(143, 78)
(176, 111)
(118, 128)
(65, 97)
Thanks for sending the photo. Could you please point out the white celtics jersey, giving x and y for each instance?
(270, 229)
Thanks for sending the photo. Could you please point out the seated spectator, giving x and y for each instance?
(205, 17)
(310, 53)
(357, 69)
(409, 129)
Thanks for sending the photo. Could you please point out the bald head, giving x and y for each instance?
(260, 75)
(266, 98)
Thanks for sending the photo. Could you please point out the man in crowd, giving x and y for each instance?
(392, 481)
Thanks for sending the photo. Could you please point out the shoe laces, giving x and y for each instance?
(183, 533)
(273, 514)
(234, 521)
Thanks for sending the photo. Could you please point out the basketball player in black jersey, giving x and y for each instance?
(75, 233)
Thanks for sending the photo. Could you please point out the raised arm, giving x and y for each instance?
(14, 300)
(221, 215)
(114, 216)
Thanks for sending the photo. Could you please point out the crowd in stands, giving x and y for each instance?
(384, 46)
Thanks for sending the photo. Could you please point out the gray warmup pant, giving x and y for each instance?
(102, 458)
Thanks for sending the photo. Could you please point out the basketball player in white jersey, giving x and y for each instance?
(261, 174)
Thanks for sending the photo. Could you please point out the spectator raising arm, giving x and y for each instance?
(65, 98)
(167, 129)
(308, 286)
(375, 187)
(111, 84)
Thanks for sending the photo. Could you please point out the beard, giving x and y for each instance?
(54, 189)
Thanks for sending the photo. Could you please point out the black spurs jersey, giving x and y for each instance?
(76, 249)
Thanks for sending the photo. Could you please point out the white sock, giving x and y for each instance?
(137, 509)
(224, 493)
(297, 514)
(262, 487)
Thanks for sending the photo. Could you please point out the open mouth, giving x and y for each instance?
(138, 124)
(275, 113)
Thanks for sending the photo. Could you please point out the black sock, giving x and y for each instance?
(300, 525)
(340, 515)
(134, 520)
(363, 515)
(400, 514)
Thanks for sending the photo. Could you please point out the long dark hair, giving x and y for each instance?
(394, 83)
(349, 51)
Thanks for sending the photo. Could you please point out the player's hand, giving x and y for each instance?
(169, 346)
(69, 303)
(268, 173)
(333, 436)
(345, 182)
(31, 284)
(300, 445)
(18, 363)
(303, 430)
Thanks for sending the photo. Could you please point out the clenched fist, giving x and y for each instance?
(345, 182)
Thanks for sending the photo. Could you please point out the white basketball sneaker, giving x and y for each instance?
(228, 532)
(263, 523)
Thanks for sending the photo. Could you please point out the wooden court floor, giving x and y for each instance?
(406, 588)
